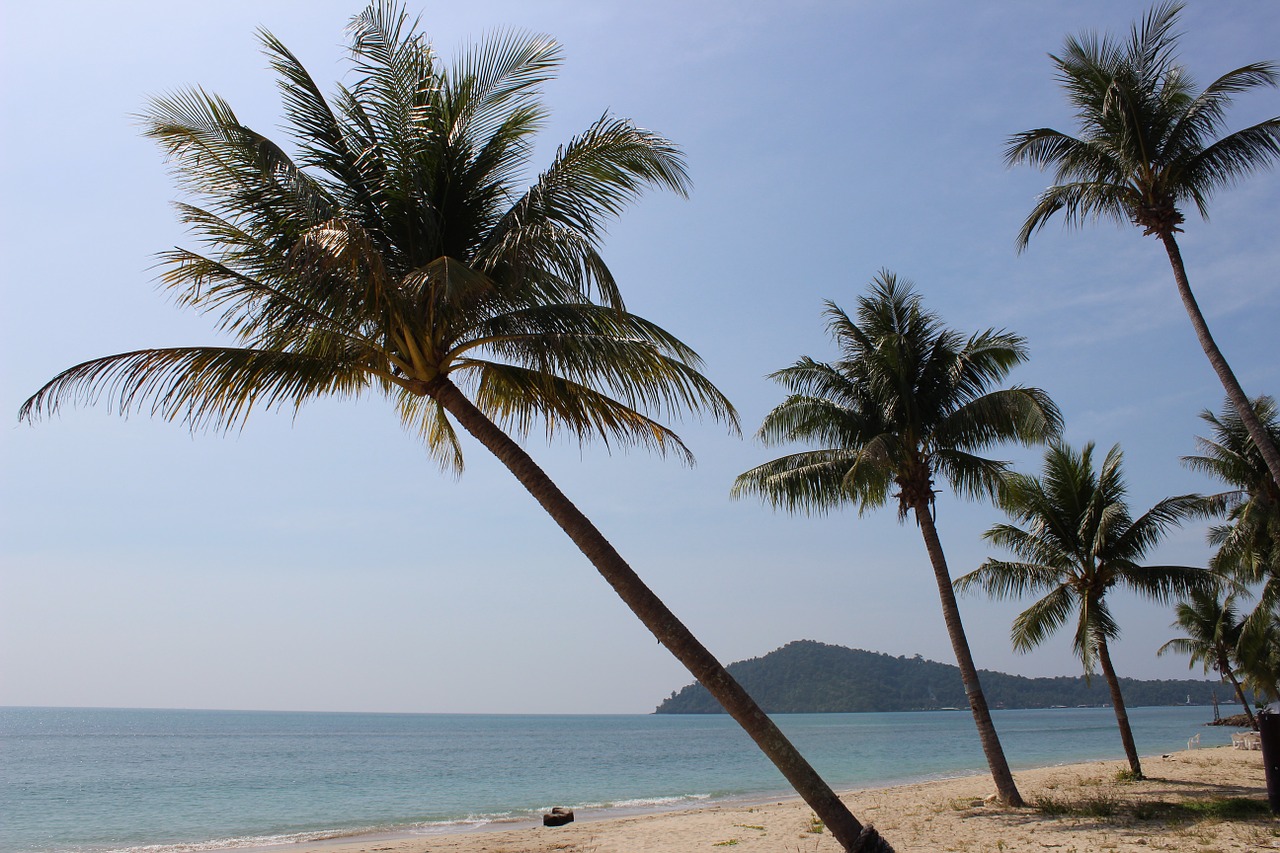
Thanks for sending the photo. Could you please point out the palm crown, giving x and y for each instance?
(1249, 541)
(1148, 142)
(1078, 540)
(1231, 456)
(907, 398)
(398, 250)
(1212, 629)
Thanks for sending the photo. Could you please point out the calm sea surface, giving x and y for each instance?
(146, 780)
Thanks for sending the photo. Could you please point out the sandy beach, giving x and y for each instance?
(1209, 800)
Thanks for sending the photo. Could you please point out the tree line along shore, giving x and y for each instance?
(807, 677)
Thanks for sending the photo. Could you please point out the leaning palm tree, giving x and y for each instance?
(1211, 629)
(908, 401)
(1148, 146)
(400, 253)
(1078, 542)
(1248, 543)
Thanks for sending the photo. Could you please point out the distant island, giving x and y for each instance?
(807, 677)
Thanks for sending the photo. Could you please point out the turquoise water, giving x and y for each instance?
(91, 780)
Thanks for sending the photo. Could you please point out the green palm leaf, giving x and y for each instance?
(1042, 619)
(905, 389)
(201, 386)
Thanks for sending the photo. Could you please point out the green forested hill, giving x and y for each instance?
(809, 677)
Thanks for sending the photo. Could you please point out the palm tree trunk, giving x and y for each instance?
(1117, 702)
(1239, 401)
(670, 632)
(1006, 790)
(1248, 712)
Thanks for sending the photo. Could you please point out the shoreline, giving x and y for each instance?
(1187, 801)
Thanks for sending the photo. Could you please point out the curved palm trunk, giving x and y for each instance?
(1248, 712)
(670, 632)
(1239, 401)
(1005, 787)
(1117, 702)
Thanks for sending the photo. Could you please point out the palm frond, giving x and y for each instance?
(324, 142)
(1165, 584)
(1041, 545)
(1079, 203)
(427, 418)
(1142, 534)
(1024, 415)
(203, 387)
(241, 174)
(824, 422)
(819, 380)
(1002, 579)
(500, 78)
(986, 359)
(1043, 619)
(596, 346)
(515, 397)
(972, 476)
(1204, 116)
(1183, 646)
(811, 482)
(590, 181)
(261, 314)
(1231, 158)
(1094, 626)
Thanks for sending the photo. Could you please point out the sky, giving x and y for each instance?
(320, 561)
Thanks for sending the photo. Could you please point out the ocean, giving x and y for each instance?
(160, 781)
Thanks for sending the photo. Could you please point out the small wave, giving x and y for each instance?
(659, 802)
(470, 823)
(497, 820)
(252, 841)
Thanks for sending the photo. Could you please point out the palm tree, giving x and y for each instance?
(398, 253)
(907, 401)
(1079, 541)
(1212, 634)
(1146, 148)
(1258, 655)
(1249, 542)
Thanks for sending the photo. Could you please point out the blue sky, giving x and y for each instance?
(322, 562)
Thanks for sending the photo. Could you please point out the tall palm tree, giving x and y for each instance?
(1147, 147)
(1078, 542)
(1212, 634)
(400, 252)
(1248, 542)
(908, 401)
